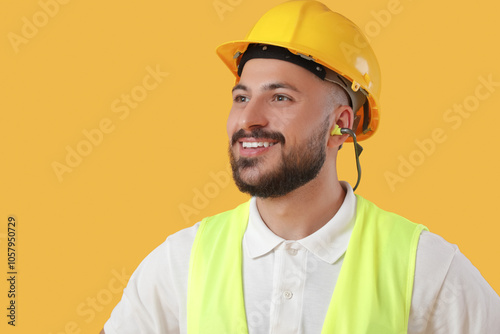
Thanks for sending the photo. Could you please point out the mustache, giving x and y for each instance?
(258, 133)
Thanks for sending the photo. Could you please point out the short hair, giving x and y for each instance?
(339, 95)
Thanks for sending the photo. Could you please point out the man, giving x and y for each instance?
(305, 255)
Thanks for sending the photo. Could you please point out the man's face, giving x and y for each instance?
(278, 127)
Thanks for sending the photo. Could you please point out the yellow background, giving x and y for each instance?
(78, 237)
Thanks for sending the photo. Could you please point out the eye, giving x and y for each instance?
(281, 98)
(240, 99)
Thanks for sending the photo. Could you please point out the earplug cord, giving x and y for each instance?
(357, 151)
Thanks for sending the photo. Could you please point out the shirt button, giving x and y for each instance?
(288, 294)
(292, 251)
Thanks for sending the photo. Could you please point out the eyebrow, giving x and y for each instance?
(240, 86)
(267, 87)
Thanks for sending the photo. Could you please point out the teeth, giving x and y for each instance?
(256, 144)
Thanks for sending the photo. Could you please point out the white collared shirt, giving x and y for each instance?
(288, 284)
(289, 295)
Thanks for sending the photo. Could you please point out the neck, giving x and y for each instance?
(304, 210)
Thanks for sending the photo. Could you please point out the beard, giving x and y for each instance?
(296, 168)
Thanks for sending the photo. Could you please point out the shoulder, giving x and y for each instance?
(369, 208)
(181, 240)
(435, 256)
(449, 293)
(154, 299)
(167, 261)
(434, 249)
(173, 254)
(175, 245)
(390, 221)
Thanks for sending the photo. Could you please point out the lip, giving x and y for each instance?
(255, 151)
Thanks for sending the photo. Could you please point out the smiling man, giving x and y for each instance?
(304, 255)
(279, 127)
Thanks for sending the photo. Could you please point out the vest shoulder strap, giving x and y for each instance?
(374, 289)
(215, 285)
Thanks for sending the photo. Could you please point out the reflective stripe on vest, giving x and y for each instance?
(372, 294)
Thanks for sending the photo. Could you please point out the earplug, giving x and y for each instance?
(336, 131)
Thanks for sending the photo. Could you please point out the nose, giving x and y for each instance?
(252, 115)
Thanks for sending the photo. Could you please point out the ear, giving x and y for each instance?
(343, 117)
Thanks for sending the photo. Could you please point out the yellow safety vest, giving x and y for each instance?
(373, 290)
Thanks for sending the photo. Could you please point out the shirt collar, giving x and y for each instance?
(329, 243)
(259, 239)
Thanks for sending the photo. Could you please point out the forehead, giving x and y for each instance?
(259, 71)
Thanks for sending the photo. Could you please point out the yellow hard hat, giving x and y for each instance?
(311, 30)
